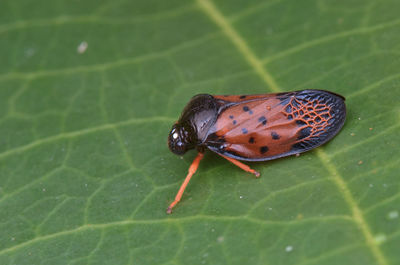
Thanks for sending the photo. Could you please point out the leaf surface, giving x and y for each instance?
(89, 91)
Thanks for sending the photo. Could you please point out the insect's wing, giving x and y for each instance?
(264, 127)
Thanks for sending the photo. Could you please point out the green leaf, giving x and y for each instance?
(90, 89)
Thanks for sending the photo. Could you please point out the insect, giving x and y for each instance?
(255, 127)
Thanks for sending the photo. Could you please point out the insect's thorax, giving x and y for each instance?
(199, 116)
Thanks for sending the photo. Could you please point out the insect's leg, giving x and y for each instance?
(241, 165)
(192, 169)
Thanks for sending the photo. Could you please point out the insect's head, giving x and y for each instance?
(179, 139)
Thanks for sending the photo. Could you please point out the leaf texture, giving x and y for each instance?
(90, 89)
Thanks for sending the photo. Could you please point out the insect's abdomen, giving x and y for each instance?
(276, 125)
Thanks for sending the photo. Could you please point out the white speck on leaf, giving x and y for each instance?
(44, 189)
(269, 31)
(289, 248)
(220, 239)
(371, 185)
(241, 197)
(393, 214)
(82, 47)
(380, 238)
(29, 52)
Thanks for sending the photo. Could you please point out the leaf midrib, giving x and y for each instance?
(220, 20)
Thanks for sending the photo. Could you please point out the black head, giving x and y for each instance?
(179, 140)
(192, 127)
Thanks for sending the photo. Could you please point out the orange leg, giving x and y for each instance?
(192, 169)
(241, 165)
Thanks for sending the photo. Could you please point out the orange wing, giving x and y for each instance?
(265, 127)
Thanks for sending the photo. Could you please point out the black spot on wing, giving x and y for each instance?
(275, 136)
(263, 120)
(251, 140)
(263, 149)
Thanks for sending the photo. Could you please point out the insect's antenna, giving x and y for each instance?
(192, 169)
